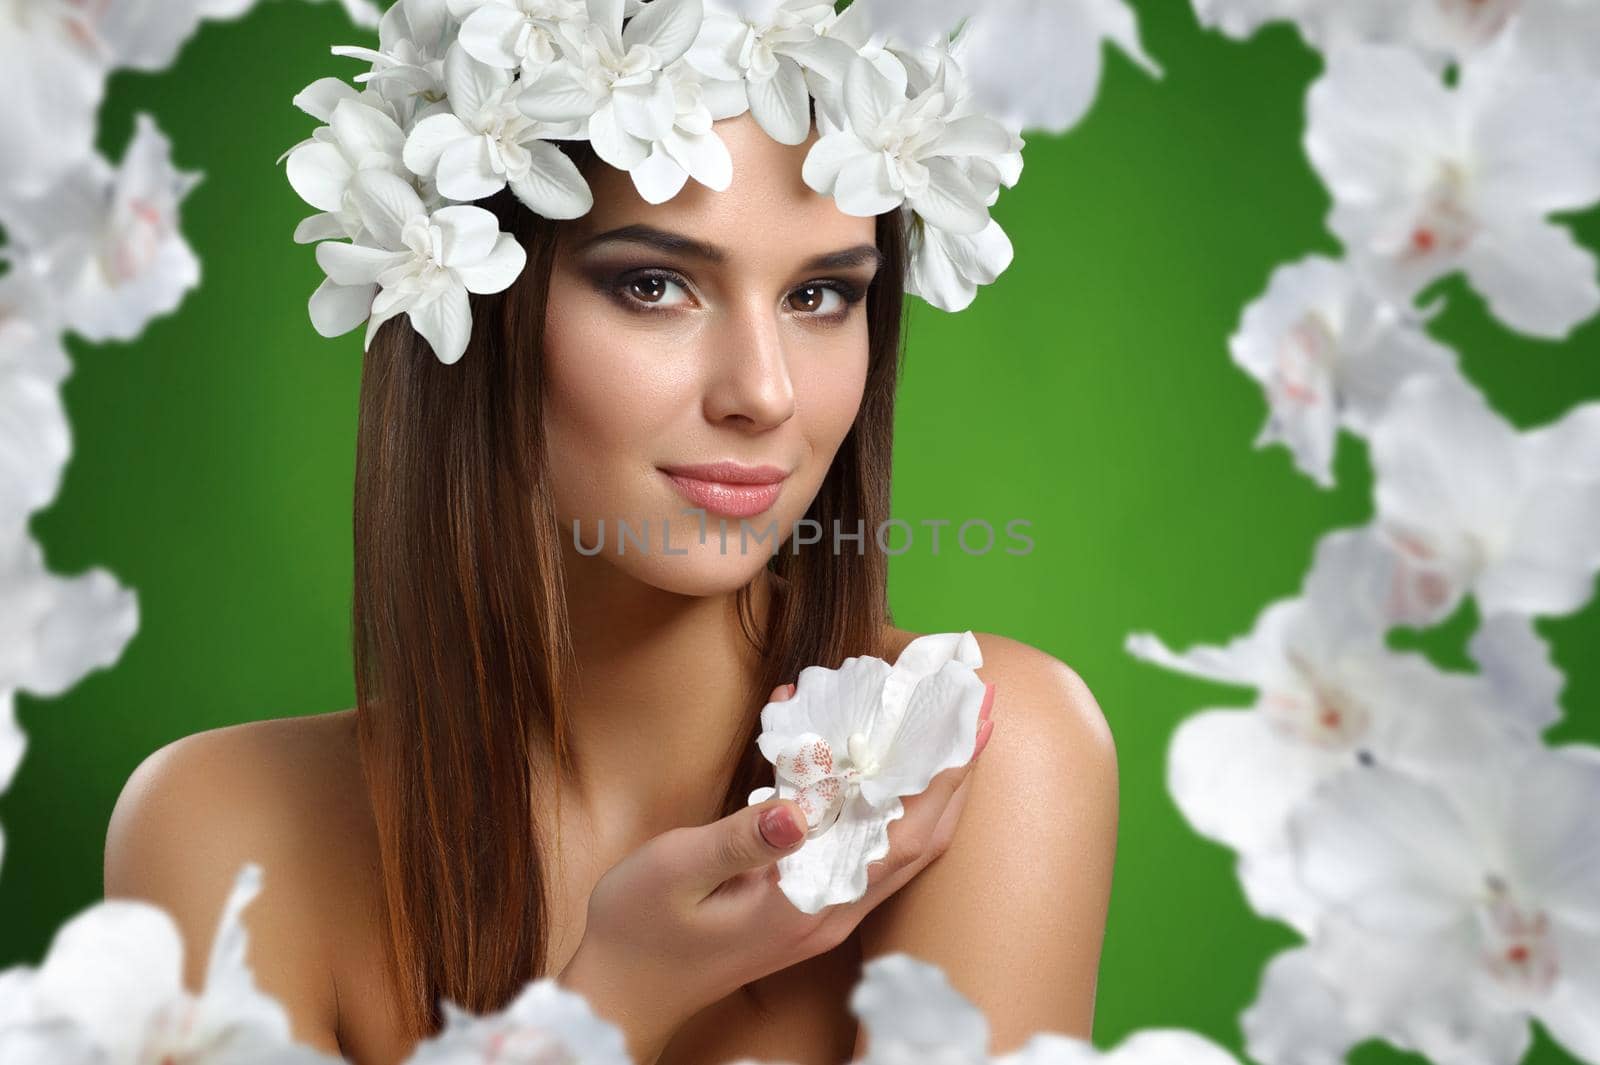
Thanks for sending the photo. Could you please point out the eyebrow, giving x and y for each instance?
(677, 243)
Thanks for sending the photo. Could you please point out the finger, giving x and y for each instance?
(781, 693)
(751, 838)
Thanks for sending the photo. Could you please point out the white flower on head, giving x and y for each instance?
(1471, 506)
(515, 34)
(484, 142)
(358, 137)
(109, 242)
(1329, 352)
(1428, 179)
(771, 45)
(853, 740)
(615, 83)
(899, 149)
(408, 64)
(1461, 906)
(113, 978)
(544, 1025)
(421, 264)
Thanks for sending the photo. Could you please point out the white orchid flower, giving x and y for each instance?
(114, 976)
(544, 1025)
(1329, 351)
(615, 84)
(515, 34)
(358, 137)
(1331, 696)
(851, 741)
(1470, 506)
(483, 143)
(1428, 179)
(772, 46)
(35, 437)
(421, 264)
(407, 67)
(899, 149)
(1462, 906)
(108, 241)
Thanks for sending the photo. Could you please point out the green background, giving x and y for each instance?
(1089, 391)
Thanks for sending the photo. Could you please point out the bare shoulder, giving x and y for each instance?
(285, 794)
(1046, 698)
(1014, 910)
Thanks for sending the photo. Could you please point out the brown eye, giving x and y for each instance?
(652, 290)
(648, 289)
(813, 299)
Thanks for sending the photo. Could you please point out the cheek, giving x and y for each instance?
(828, 392)
(609, 402)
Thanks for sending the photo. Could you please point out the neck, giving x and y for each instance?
(659, 700)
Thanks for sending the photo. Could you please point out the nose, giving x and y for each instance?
(749, 386)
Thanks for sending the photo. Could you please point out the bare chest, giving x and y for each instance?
(799, 1015)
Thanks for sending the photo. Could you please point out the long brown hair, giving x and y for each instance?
(461, 643)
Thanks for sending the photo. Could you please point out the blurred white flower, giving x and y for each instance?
(853, 740)
(912, 1016)
(1329, 351)
(418, 263)
(35, 437)
(55, 630)
(484, 142)
(107, 241)
(1516, 664)
(1470, 506)
(1297, 1017)
(544, 1025)
(1461, 906)
(1037, 64)
(1331, 697)
(56, 78)
(1428, 179)
(113, 978)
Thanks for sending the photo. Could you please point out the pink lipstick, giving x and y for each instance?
(728, 488)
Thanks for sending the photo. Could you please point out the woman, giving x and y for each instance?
(537, 711)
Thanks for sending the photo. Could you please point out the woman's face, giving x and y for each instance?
(718, 327)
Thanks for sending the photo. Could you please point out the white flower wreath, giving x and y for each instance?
(467, 97)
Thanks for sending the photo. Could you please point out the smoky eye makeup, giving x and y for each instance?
(659, 290)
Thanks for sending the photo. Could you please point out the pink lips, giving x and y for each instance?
(728, 488)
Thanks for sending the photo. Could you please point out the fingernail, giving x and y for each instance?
(988, 702)
(791, 689)
(983, 737)
(779, 829)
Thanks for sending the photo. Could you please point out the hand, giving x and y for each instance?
(696, 913)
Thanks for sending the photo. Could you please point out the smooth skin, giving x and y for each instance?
(659, 353)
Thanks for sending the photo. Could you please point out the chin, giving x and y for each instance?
(703, 571)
